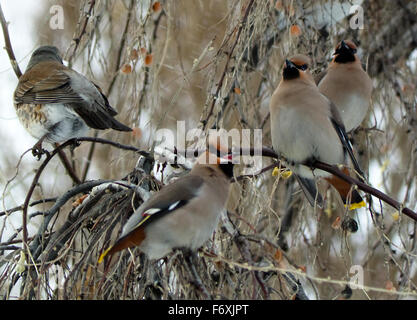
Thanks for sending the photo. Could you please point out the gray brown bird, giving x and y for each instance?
(55, 103)
(347, 85)
(306, 127)
(183, 214)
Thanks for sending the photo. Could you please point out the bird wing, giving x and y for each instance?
(109, 108)
(341, 132)
(310, 191)
(52, 82)
(38, 86)
(170, 198)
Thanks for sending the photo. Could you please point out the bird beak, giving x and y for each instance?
(342, 48)
(343, 45)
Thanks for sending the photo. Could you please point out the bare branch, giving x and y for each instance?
(8, 45)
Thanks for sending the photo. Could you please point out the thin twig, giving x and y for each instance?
(114, 144)
(49, 156)
(229, 56)
(77, 40)
(89, 158)
(8, 45)
(19, 208)
(68, 167)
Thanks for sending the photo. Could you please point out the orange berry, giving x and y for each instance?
(126, 69)
(295, 30)
(278, 255)
(148, 59)
(156, 6)
(279, 5)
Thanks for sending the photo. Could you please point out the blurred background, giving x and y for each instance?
(215, 64)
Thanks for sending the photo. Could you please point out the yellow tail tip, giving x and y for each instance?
(100, 260)
(354, 206)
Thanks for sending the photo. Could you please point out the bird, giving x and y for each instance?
(183, 214)
(306, 127)
(55, 103)
(347, 85)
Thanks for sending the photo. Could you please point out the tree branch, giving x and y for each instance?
(84, 187)
(77, 40)
(268, 152)
(366, 188)
(8, 45)
(49, 156)
(19, 208)
(67, 165)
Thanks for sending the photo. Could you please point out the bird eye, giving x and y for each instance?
(302, 67)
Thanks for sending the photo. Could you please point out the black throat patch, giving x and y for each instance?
(290, 73)
(345, 57)
(227, 169)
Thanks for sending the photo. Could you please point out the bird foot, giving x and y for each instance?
(75, 144)
(38, 151)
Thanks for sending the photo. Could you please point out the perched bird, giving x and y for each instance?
(183, 214)
(347, 85)
(55, 103)
(306, 127)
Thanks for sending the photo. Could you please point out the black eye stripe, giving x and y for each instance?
(302, 67)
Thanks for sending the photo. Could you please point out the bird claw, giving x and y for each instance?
(38, 151)
(75, 144)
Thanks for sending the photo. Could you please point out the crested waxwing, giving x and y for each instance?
(347, 85)
(55, 103)
(184, 213)
(306, 127)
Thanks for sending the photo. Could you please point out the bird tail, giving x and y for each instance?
(350, 197)
(108, 115)
(116, 125)
(132, 239)
(310, 190)
(99, 119)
